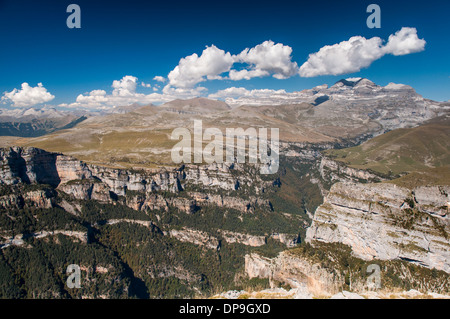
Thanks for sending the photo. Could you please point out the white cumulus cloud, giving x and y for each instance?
(124, 93)
(235, 96)
(231, 92)
(159, 78)
(241, 92)
(194, 69)
(358, 52)
(345, 57)
(183, 93)
(262, 60)
(28, 95)
(245, 74)
(93, 99)
(125, 86)
(266, 58)
(404, 42)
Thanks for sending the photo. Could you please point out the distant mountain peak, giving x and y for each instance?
(365, 82)
(354, 82)
(344, 82)
(398, 86)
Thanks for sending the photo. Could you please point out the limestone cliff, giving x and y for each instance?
(85, 181)
(402, 231)
(384, 221)
(334, 171)
(296, 272)
(329, 268)
(186, 189)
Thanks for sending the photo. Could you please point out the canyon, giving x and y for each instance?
(350, 193)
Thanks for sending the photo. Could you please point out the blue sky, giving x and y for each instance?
(145, 39)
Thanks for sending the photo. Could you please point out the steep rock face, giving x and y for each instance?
(246, 239)
(85, 181)
(32, 165)
(297, 272)
(82, 190)
(28, 165)
(119, 181)
(147, 201)
(69, 168)
(329, 269)
(244, 205)
(385, 221)
(334, 171)
(40, 198)
(194, 236)
(433, 200)
(220, 176)
(287, 239)
(204, 239)
(145, 223)
(18, 240)
(37, 198)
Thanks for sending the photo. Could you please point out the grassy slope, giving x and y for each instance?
(423, 151)
(123, 149)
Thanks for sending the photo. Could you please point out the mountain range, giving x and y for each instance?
(363, 180)
(31, 122)
(348, 112)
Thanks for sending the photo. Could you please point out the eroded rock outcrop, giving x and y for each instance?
(297, 272)
(18, 240)
(246, 239)
(34, 198)
(195, 237)
(385, 221)
(334, 171)
(86, 181)
(28, 165)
